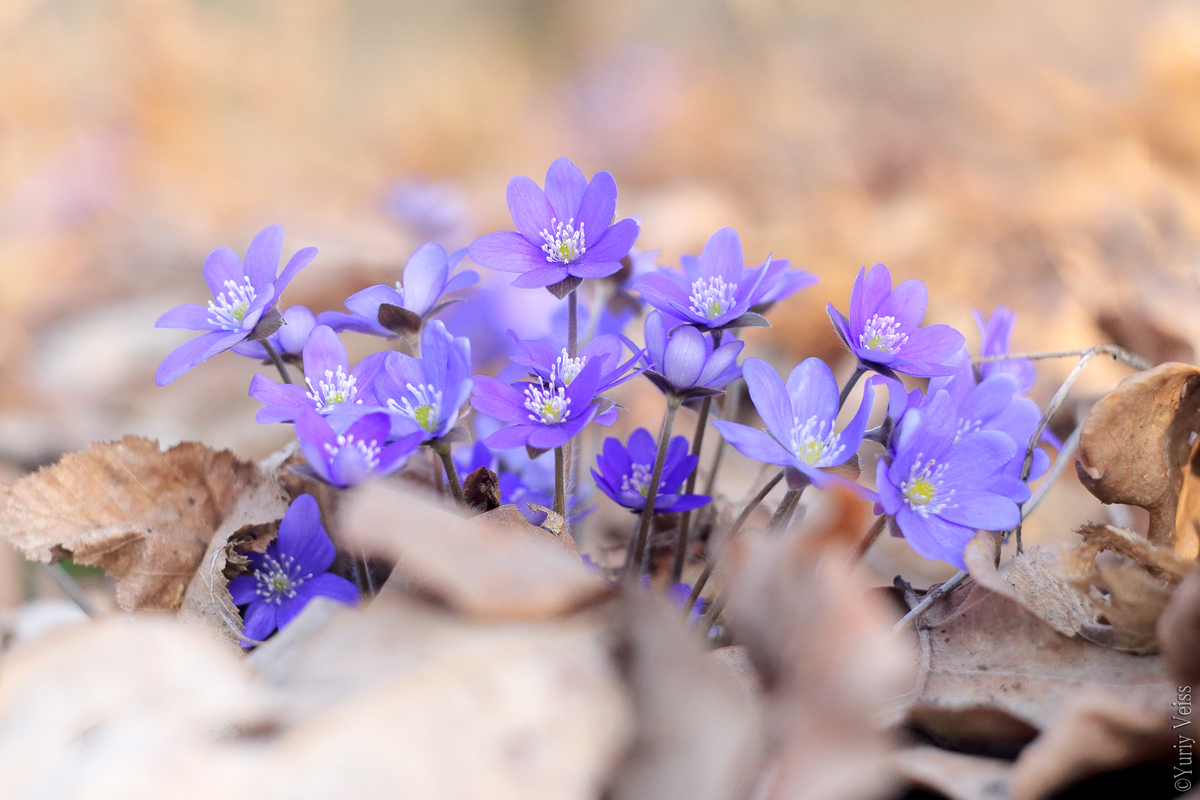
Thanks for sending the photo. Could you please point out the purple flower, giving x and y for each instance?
(550, 365)
(800, 416)
(297, 323)
(685, 363)
(932, 486)
(625, 471)
(358, 455)
(715, 290)
(429, 390)
(293, 571)
(242, 294)
(994, 334)
(541, 415)
(564, 234)
(334, 390)
(780, 285)
(884, 327)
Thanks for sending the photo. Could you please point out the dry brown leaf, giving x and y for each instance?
(1095, 732)
(1187, 515)
(1179, 630)
(818, 639)
(992, 673)
(552, 529)
(482, 569)
(957, 776)
(144, 515)
(697, 737)
(1136, 441)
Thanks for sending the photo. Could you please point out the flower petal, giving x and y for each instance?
(542, 276)
(565, 187)
(755, 444)
(770, 397)
(303, 537)
(906, 304)
(262, 257)
(684, 358)
(981, 510)
(506, 252)
(615, 243)
(424, 277)
(220, 266)
(192, 352)
(932, 537)
(813, 393)
(243, 589)
(189, 316)
(259, 622)
(531, 210)
(597, 207)
(722, 256)
(324, 352)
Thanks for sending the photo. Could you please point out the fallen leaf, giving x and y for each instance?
(1187, 516)
(1136, 441)
(482, 569)
(1179, 630)
(551, 529)
(144, 515)
(957, 776)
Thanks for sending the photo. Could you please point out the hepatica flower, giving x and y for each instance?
(293, 571)
(994, 334)
(685, 363)
(538, 414)
(360, 454)
(564, 234)
(624, 473)
(296, 324)
(332, 388)
(800, 418)
(713, 291)
(427, 391)
(552, 365)
(242, 294)
(934, 485)
(884, 329)
(386, 311)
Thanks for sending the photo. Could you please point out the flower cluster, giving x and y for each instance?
(951, 459)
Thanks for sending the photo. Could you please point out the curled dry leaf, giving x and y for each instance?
(483, 569)
(144, 515)
(1187, 515)
(993, 674)
(957, 776)
(819, 640)
(1179, 630)
(1136, 441)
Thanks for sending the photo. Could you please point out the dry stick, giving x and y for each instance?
(456, 488)
(277, 361)
(733, 531)
(634, 566)
(870, 537)
(1118, 354)
(1065, 456)
(72, 588)
(710, 616)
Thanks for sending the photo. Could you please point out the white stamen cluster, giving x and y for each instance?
(566, 369)
(639, 481)
(428, 409)
(279, 579)
(882, 334)
(337, 388)
(369, 450)
(711, 297)
(812, 444)
(967, 426)
(230, 307)
(923, 491)
(565, 244)
(549, 405)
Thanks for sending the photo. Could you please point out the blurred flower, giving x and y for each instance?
(242, 293)
(358, 455)
(541, 415)
(799, 416)
(430, 209)
(385, 311)
(624, 473)
(884, 327)
(567, 231)
(288, 341)
(994, 335)
(428, 390)
(334, 390)
(715, 290)
(293, 571)
(930, 486)
(550, 365)
(685, 363)
(780, 285)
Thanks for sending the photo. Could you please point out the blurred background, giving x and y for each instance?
(1045, 156)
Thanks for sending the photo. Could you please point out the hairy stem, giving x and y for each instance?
(859, 371)
(783, 515)
(698, 587)
(733, 402)
(573, 324)
(664, 437)
(456, 488)
(686, 520)
(870, 537)
(560, 482)
(277, 361)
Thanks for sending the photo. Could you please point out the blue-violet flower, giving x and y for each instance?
(685, 363)
(428, 390)
(994, 334)
(358, 455)
(297, 323)
(624, 473)
(540, 415)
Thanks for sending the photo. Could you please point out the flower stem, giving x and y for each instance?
(698, 587)
(783, 515)
(573, 324)
(560, 483)
(870, 537)
(456, 488)
(685, 521)
(850, 384)
(733, 402)
(277, 361)
(639, 546)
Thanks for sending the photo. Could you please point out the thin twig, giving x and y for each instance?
(698, 586)
(929, 599)
(1064, 458)
(1118, 354)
